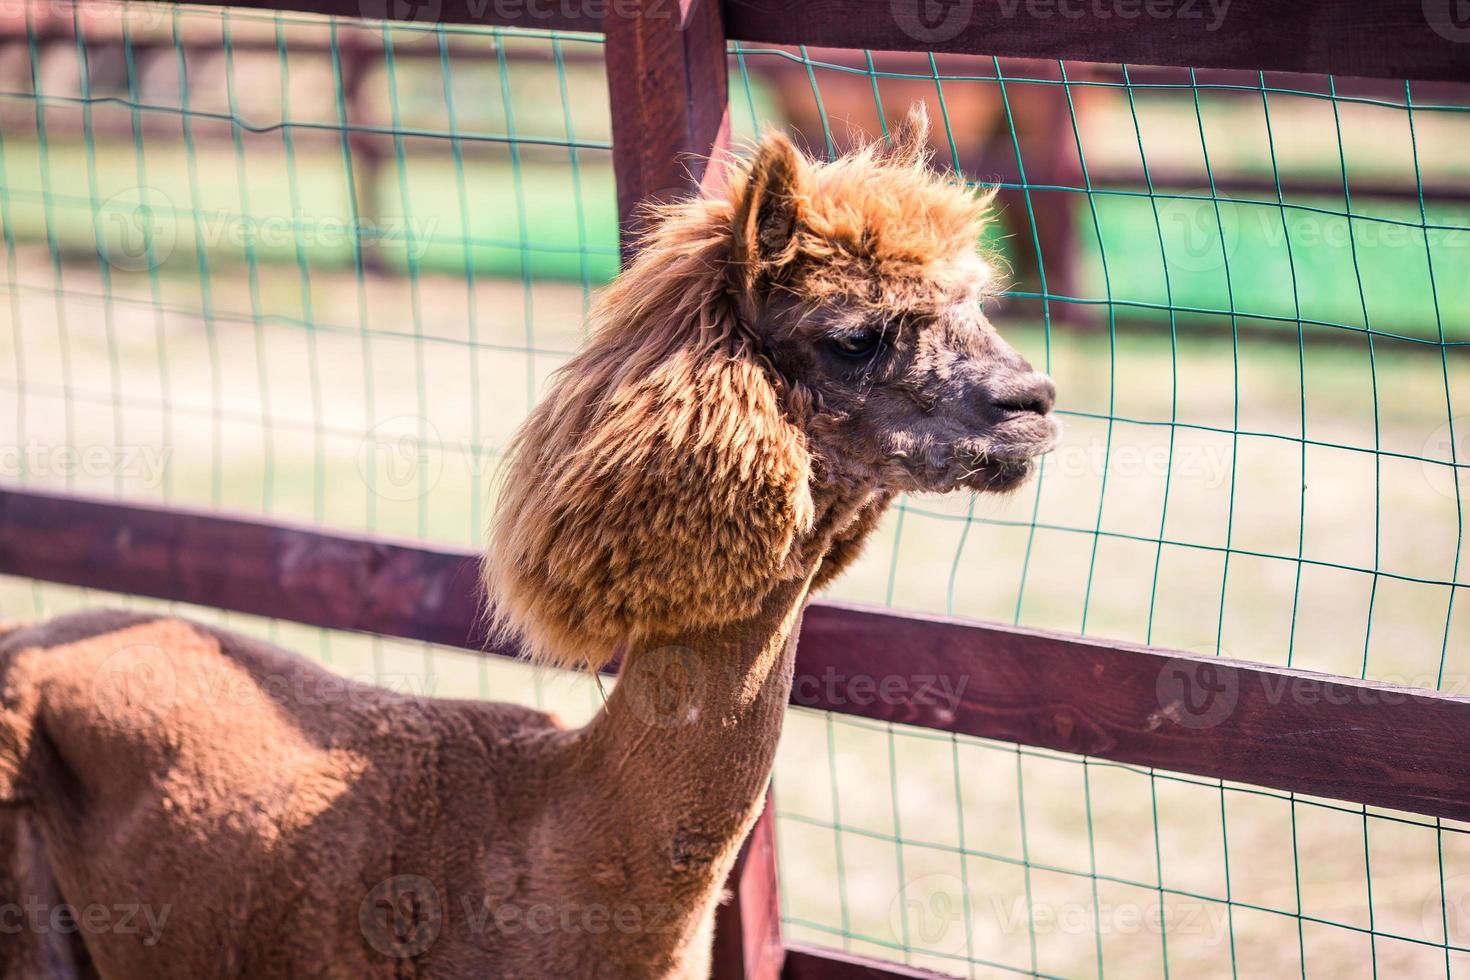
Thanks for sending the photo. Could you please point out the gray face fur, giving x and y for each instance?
(932, 399)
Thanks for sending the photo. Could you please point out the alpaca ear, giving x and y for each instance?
(910, 138)
(768, 210)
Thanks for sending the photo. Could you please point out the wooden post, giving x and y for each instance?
(748, 944)
(667, 79)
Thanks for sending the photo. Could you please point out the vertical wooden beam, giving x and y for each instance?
(668, 82)
(748, 944)
(667, 78)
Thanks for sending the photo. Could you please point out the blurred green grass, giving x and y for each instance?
(549, 219)
(1304, 261)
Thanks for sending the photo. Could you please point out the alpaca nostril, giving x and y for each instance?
(1037, 393)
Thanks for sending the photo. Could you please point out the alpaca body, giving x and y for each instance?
(783, 357)
(250, 814)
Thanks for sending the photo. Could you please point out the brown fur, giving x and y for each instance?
(782, 359)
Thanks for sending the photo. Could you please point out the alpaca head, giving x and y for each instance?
(803, 342)
(864, 285)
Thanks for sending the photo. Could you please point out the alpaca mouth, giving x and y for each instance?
(999, 474)
(1009, 457)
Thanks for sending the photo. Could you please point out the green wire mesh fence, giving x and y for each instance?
(319, 269)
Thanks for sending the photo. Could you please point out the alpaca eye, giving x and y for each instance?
(856, 345)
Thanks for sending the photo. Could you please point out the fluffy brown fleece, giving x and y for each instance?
(784, 358)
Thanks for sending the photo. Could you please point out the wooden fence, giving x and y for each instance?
(1350, 740)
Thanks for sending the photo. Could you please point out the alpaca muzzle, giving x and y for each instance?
(1019, 427)
(1020, 414)
(1028, 392)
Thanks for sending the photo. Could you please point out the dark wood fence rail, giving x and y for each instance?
(1313, 733)
(1326, 736)
(1398, 39)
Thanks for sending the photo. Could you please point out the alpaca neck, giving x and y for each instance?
(686, 741)
(689, 733)
(678, 761)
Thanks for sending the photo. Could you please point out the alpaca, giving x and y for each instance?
(784, 356)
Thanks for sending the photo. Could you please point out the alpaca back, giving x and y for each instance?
(257, 815)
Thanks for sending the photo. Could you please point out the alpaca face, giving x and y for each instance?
(866, 287)
(928, 398)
